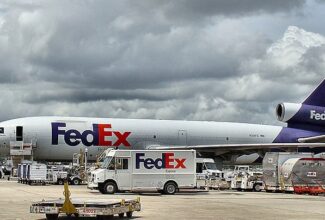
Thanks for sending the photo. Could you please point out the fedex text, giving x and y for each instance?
(100, 135)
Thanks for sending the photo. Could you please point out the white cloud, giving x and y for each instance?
(152, 59)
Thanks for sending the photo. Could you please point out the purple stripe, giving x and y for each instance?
(291, 135)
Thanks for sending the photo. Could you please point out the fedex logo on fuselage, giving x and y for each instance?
(167, 161)
(317, 116)
(98, 136)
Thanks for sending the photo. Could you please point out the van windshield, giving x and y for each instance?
(106, 162)
(211, 166)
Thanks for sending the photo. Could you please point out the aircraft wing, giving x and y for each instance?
(314, 139)
(238, 147)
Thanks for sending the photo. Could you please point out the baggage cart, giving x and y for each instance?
(100, 208)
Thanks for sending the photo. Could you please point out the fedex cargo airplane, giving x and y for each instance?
(57, 138)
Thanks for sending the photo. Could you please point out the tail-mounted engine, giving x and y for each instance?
(300, 113)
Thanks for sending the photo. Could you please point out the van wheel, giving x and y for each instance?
(170, 188)
(257, 188)
(109, 188)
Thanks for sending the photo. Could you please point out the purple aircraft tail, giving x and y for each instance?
(304, 120)
(309, 115)
(317, 97)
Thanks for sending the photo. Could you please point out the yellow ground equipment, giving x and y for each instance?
(95, 207)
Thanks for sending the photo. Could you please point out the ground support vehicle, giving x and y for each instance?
(207, 167)
(304, 175)
(272, 163)
(19, 173)
(36, 173)
(165, 171)
(23, 173)
(207, 174)
(211, 183)
(100, 208)
(55, 176)
(74, 179)
(247, 179)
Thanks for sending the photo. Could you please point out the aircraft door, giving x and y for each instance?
(19, 133)
(182, 137)
(123, 172)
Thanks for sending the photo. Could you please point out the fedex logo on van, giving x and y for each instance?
(98, 136)
(167, 161)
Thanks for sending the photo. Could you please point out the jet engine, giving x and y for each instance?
(294, 113)
(285, 111)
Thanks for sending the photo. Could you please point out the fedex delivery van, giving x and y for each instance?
(164, 171)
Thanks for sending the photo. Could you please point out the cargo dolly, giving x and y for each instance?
(100, 208)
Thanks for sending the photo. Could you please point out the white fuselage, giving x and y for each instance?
(57, 138)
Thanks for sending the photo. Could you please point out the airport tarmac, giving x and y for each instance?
(15, 199)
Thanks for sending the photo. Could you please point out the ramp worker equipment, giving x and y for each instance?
(100, 208)
(67, 208)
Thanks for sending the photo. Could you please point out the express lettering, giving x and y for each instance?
(167, 161)
(98, 136)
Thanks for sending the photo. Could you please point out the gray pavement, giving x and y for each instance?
(16, 198)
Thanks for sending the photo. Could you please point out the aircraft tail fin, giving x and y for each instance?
(317, 97)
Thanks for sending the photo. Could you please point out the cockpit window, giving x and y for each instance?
(2, 130)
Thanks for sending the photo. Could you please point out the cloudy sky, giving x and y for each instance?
(230, 60)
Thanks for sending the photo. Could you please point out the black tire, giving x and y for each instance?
(257, 188)
(60, 181)
(121, 215)
(105, 217)
(101, 189)
(170, 188)
(129, 214)
(52, 216)
(76, 181)
(109, 188)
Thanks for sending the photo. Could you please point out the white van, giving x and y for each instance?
(164, 171)
(207, 168)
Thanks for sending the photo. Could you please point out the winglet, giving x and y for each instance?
(317, 97)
